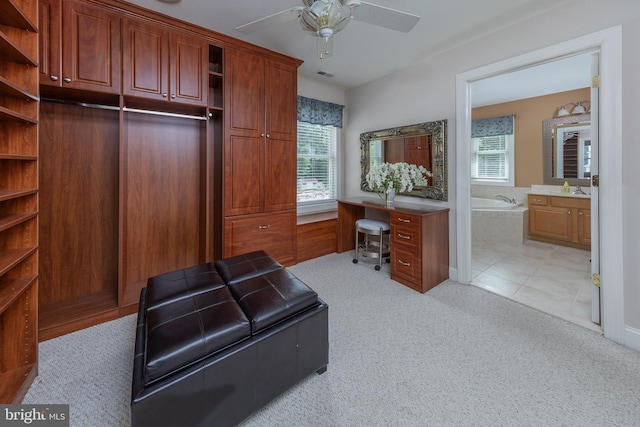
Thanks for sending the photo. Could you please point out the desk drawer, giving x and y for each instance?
(406, 263)
(405, 236)
(404, 220)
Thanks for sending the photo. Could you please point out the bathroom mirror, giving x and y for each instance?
(422, 144)
(567, 150)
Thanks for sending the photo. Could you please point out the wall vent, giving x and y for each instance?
(324, 73)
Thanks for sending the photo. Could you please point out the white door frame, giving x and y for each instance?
(609, 44)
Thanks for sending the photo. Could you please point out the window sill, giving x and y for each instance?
(317, 212)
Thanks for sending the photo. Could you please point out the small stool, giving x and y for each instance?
(368, 246)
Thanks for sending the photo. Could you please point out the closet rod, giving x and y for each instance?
(163, 113)
(81, 104)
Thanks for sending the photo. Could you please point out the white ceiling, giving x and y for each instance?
(362, 52)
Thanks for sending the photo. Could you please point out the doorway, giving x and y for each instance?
(609, 43)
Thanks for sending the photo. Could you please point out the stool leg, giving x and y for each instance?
(355, 260)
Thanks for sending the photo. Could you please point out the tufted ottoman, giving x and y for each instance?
(216, 342)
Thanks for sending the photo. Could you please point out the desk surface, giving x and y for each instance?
(378, 203)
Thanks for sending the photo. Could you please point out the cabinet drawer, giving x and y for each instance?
(571, 202)
(404, 220)
(405, 236)
(275, 234)
(535, 199)
(406, 263)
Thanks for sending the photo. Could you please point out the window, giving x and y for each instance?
(317, 171)
(492, 159)
(492, 151)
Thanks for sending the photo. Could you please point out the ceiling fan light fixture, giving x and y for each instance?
(324, 14)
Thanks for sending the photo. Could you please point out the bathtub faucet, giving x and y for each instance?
(506, 199)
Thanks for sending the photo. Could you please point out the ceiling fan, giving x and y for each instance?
(324, 18)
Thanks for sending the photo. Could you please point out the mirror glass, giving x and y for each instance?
(420, 144)
(567, 150)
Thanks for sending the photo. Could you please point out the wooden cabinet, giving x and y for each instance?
(260, 154)
(80, 46)
(560, 220)
(419, 239)
(164, 64)
(273, 233)
(419, 248)
(18, 198)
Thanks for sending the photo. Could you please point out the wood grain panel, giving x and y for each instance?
(189, 62)
(161, 197)
(281, 100)
(243, 175)
(281, 172)
(244, 89)
(316, 239)
(78, 201)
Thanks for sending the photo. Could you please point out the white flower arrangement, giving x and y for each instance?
(401, 177)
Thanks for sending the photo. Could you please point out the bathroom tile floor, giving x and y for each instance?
(553, 279)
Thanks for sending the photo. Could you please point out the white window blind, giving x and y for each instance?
(490, 154)
(317, 172)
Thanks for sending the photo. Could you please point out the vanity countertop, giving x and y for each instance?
(553, 190)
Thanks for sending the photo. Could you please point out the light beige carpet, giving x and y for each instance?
(457, 355)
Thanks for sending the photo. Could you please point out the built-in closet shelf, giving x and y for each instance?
(11, 15)
(15, 194)
(14, 379)
(23, 157)
(12, 289)
(56, 319)
(7, 115)
(8, 221)
(9, 258)
(10, 90)
(11, 52)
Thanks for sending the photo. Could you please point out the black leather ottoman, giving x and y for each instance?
(210, 354)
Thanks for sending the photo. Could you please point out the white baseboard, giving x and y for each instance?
(453, 274)
(632, 338)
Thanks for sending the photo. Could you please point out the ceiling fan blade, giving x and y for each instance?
(383, 16)
(268, 21)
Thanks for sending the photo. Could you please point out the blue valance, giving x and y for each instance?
(319, 112)
(492, 127)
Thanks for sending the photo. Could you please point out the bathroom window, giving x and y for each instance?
(492, 160)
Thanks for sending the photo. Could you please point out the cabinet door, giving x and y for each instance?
(550, 222)
(584, 226)
(189, 59)
(243, 175)
(91, 48)
(145, 56)
(50, 42)
(244, 89)
(281, 142)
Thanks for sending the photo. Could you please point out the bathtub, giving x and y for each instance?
(498, 222)
(482, 204)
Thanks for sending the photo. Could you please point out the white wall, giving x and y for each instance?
(426, 91)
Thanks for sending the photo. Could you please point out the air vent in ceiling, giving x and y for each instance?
(324, 73)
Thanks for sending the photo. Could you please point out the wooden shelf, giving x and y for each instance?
(12, 220)
(9, 51)
(11, 257)
(10, 90)
(12, 383)
(71, 315)
(8, 115)
(16, 194)
(12, 16)
(18, 157)
(12, 289)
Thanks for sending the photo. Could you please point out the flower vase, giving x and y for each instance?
(390, 196)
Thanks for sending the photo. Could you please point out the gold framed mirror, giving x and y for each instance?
(422, 144)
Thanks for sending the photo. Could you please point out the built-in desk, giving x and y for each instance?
(419, 239)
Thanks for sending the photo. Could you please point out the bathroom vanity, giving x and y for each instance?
(563, 220)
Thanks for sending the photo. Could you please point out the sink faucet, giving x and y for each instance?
(506, 199)
(578, 190)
